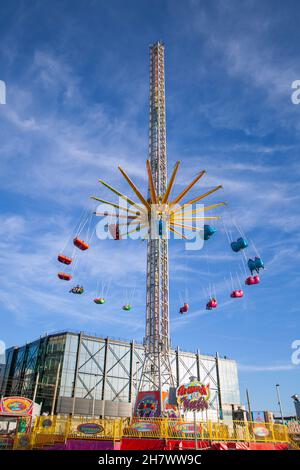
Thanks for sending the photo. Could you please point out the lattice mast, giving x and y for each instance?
(157, 373)
(158, 210)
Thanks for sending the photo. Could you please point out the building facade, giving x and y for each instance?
(81, 374)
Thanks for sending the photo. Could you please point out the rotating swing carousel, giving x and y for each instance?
(168, 217)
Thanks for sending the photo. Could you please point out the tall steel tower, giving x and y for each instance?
(156, 372)
(159, 215)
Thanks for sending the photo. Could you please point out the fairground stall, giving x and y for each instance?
(16, 414)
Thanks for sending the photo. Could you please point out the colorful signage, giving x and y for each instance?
(147, 404)
(23, 441)
(6, 442)
(90, 428)
(170, 411)
(47, 423)
(187, 428)
(144, 426)
(193, 396)
(261, 431)
(16, 406)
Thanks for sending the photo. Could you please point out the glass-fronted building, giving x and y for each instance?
(77, 373)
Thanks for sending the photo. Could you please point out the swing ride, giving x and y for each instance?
(168, 215)
(64, 259)
(239, 245)
(80, 244)
(209, 231)
(236, 294)
(64, 276)
(77, 290)
(184, 309)
(127, 307)
(212, 303)
(158, 217)
(251, 280)
(255, 264)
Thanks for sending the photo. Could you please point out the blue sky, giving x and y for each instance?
(77, 106)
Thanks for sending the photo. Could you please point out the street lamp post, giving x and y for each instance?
(249, 405)
(279, 403)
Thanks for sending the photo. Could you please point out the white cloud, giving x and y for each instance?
(31, 291)
(11, 226)
(265, 368)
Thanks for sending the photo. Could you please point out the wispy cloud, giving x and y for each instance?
(266, 368)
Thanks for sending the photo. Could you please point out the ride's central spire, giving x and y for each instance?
(157, 372)
(157, 124)
(157, 216)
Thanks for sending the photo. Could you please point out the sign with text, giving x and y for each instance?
(90, 428)
(193, 396)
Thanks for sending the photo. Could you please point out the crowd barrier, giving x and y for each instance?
(206, 430)
(52, 430)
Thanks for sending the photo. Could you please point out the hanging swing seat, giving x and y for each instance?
(64, 276)
(209, 231)
(255, 264)
(239, 244)
(99, 300)
(184, 309)
(77, 290)
(64, 259)
(127, 307)
(212, 303)
(80, 244)
(235, 294)
(251, 280)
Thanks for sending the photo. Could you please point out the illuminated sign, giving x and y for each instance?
(16, 406)
(193, 396)
(90, 428)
